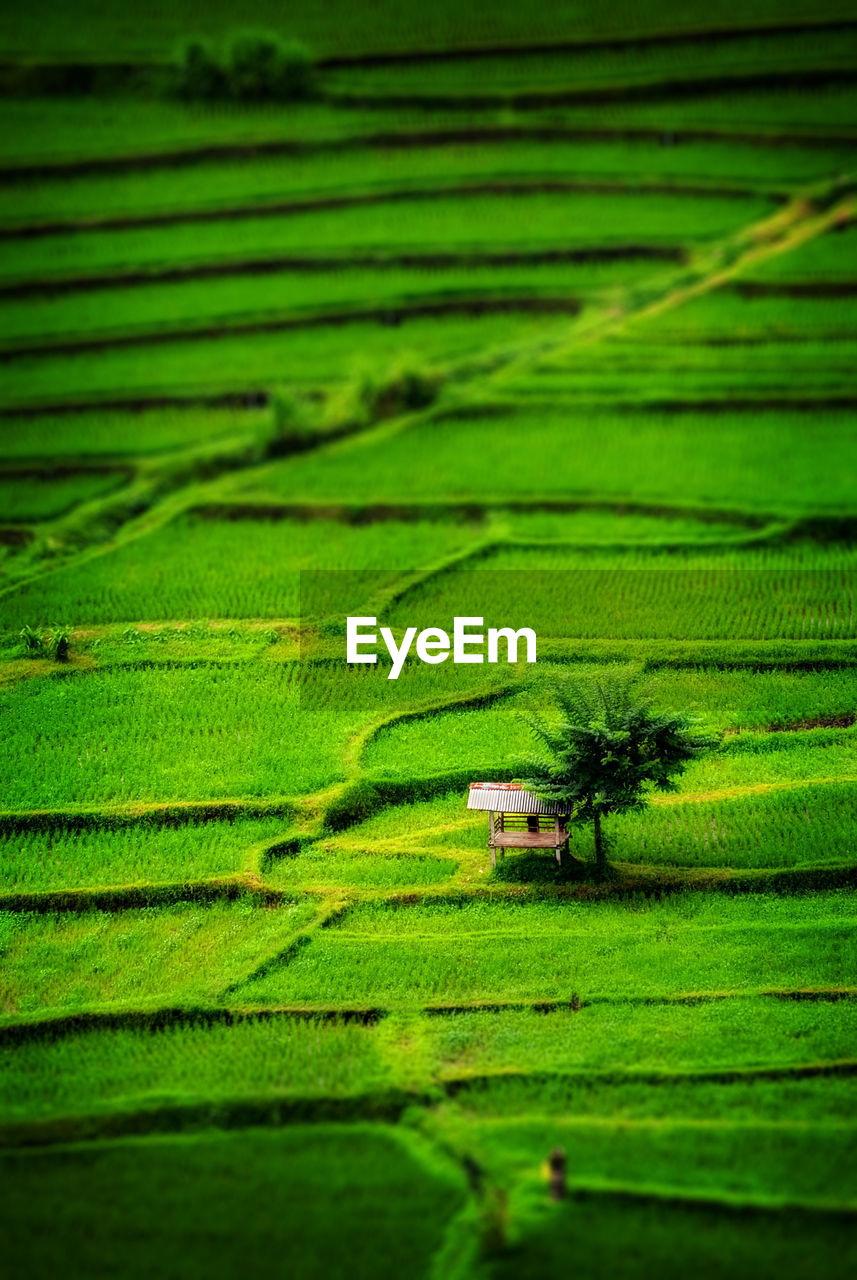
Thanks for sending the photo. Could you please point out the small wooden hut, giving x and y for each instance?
(517, 819)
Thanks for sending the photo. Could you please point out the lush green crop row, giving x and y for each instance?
(743, 595)
(759, 459)
(742, 1160)
(184, 732)
(742, 700)
(162, 734)
(32, 498)
(612, 526)
(180, 953)
(772, 111)
(785, 828)
(831, 259)
(588, 69)
(257, 179)
(221, 1203)
(60, 859)
(161, 308)
(727, 316)
(243, 363)
(124, 434)
(44, 129)
(640, 919)
(138, 1067)
(389, 27)
(421, 954)
(178, 572)
(313, 868)
(525, 219)
(498, 951)
(633, 1238)
(676, 373)
(656, 1037)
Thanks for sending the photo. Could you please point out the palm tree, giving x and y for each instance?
(607, 750)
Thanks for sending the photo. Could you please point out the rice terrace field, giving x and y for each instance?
(543, 315)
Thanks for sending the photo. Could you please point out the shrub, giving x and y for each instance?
(409, 386)
(199, 75)
(293, 420)
(261, 67)
(57, 643)
(372, 394)
(31, 641)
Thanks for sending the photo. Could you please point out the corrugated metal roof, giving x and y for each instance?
(508, 797)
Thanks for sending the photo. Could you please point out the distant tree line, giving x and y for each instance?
(254, 66)
(251, 66)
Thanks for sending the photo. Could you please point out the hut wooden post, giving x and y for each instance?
(491, 845)
(559, 840)
(556, 1176)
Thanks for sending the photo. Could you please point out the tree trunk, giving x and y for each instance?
(600, 850)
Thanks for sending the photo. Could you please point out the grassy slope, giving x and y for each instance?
(213, 711)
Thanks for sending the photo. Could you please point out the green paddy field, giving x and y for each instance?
(548, 316)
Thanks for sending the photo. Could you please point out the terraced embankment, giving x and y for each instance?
(579, 315)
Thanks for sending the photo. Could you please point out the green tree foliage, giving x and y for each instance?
(607, 750)
(258, 67)
(261, 67)
(199, 75)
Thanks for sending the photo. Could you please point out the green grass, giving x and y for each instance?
(328, 354)
(64, 859)
(245, 181)
(159, 308)
(391, 27)
(526, 219)
(782, 829)
(800, 593)
(127, 1068)
(754, 460)
(583, 70)
(31, 498)
(791, 825)
(669, 372)
(217, 1203)
(767, 111)
(829, 259)
(500, 951)
(726, 316)
(311, 868)
(116, 434)
(124, 1068)
(745, 1160)
(634, 1240)
(180, 731)
(172, 954)
(160, 734)
(667, 446)
(623, 1094)
(615, 525)
(177, 572)
(658, 1037)
(745, 700)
